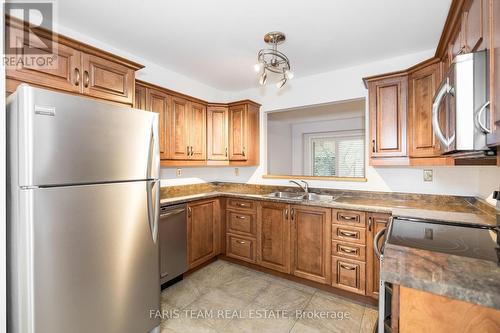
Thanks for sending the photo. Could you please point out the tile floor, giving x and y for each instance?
(224, 297)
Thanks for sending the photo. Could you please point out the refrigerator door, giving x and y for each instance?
(84, 259)
(59, 139)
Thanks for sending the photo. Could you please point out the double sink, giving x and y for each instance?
(299, 196)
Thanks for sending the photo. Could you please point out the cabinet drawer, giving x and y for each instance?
(348, 234)
(348, 275)
(240, 248)
(244, 223)
(349, 217)
(241, 204)
(350, 251)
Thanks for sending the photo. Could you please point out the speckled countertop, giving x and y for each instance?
(471, 280)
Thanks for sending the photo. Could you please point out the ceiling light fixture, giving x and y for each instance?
(273, 60)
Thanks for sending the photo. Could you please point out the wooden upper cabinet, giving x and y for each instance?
(157, 101)
(217, 133)
(376, 222)
(475, 25)
(197, 131)
(76, 67)
(387, 98)
(106, 79)
(140, 97)
(311, 243)
(179, 130)
(64, 74)
(273, 228)
(238, 119)
(203, 231)
(422, 86)
(493, 139)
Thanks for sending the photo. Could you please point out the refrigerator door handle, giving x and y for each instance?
(153, 195)
(153, 166)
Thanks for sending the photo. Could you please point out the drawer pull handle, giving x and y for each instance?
(349, 268)
(242, 205)
(348, 234)
(240, 217)
(347, 250)
(344, 217)
(240, 242)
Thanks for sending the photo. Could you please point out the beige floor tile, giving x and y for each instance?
(343, 316)
(186, 325)
(215, 274)
(245, 287)
(369, 319)
(278, 296)
(221, 307)
(180, 294)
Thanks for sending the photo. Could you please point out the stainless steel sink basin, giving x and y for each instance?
(301, 196)
(287, 195)
(319, 197)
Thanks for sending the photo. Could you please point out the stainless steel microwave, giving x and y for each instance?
(460, 116)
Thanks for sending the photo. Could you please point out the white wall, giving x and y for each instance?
(279, 136)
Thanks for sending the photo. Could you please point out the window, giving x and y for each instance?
(335, 154)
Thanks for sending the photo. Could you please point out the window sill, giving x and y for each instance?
(339, 179)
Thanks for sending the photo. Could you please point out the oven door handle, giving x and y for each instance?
(378, 252)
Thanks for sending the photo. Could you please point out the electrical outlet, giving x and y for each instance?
(236, 171)
(178, 172)
(427, 175)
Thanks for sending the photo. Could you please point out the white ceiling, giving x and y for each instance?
(216, 41)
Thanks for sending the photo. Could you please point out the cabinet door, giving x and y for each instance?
(106, 79)
(238, 119)
(388, 117)
(179, 130)
(376, 222)
(273, 228)
(65, 73)
(157, 101)
(474, 26)
(197, 132)
(494, 138)
(140, 97)
(422, 86)
(203, 231)
(311, 243)
(217, 133)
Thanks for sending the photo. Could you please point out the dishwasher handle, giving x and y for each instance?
(168, 213)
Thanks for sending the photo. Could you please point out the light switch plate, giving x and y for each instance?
(427, 175)
(178, 172)
(236, 171)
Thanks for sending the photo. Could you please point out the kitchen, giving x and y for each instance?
(285, 167)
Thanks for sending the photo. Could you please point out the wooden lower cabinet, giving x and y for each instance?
(423, 312)
(273, 240)
(349, 275)
(203, 231)
(376, 222)
(311, 243)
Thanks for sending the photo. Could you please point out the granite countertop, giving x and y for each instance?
(471, 280)
(431, 207)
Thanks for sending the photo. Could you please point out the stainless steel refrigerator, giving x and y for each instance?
(82, 219)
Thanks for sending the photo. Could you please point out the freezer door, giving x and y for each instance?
(83, 259)
(58, 139)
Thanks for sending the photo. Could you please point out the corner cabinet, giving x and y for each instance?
(388, 101)
(203, 231)
(79, 68)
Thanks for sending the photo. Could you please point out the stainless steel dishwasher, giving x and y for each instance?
(173, 242)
